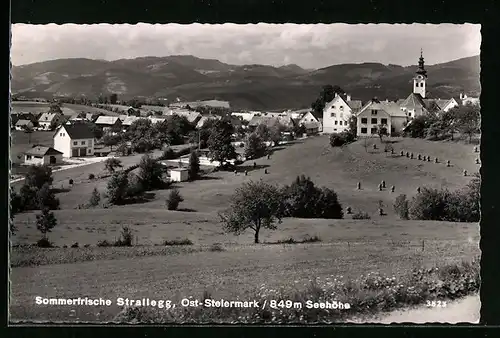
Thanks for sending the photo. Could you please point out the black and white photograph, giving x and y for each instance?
(245, 173)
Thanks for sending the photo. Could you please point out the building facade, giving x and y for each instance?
(74, 140)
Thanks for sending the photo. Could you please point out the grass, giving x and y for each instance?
(365, 295)
(20, 142)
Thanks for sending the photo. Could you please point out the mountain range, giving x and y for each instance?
(255, 87)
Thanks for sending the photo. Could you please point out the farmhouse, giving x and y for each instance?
(205, 119)
(287, 122)
(49, 119)
(23, 124)
(468, 100)
(155, 120)
(108, 123)
(268, 121)
(192, 116)
(42, 155)
(74, 140)
(246, 116)
(311, 123)
(377, 115)
(127, 122)
(337, 113)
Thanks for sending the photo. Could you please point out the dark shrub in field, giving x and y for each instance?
(126, 237)
(91, 176)
(401, 206)
(168, 154)
(104, 243)
(71, 181)
(44, 243)
(174, 199)
(430, 204)
(361, 215)
(184, 241)
(340, 139)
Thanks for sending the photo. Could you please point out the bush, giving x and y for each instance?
(91, 176)
(168, 154)
(135, 187)
(104, 243)
(361, 215)
(194, 165)
(340, 139)
(45, 198)
(151, 173)
(126, 238)
(44, 243)
(184, 241)
(401, 207)
(71, 181)
(216, 247)
(430, 204)
(74, 245)
(95, 198)
(174, 199)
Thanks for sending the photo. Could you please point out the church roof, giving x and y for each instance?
(414, 101)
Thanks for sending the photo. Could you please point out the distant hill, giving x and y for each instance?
(248, 86)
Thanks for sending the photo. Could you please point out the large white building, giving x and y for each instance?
(337, 113)
(74, 140)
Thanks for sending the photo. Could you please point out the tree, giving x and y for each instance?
(301, 197)
(381, 131)
(45, 222)
(46, 198)
(117, 188)
(174, 199)
(38, 175)
(326, 95)
(95, 198)
(276, 133)
(151, 173)
(15, 207)
(255, 205)
(352, 129)
(254, 146)
(194, 165)
(468, 120)
(401, 206)
(264, 132)
(113, 98)
(111, 140)
(111, 164)
(219, 142)
(328, 205)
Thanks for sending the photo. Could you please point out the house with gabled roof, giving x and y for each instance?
(311, 123)
(41, 155)
(23, 125)
(109, 123)
(337, 113)
(47, 120)
(74, 140)
(376, 114)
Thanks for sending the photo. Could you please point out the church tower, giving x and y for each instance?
(419, 81)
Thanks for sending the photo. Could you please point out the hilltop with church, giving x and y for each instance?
(394, 115)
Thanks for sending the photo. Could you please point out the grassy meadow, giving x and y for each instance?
(346, 248)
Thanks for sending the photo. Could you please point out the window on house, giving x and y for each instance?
(83, 142)
(341, 114)
(409, 114)
(422, 84)
(88, 150)
(333, 107)
(374, 121)
(336, 122)
(332, 115)
(341, 108)
(90, 142)
(374, 130)
(340, 122)
(60, 134)
(364, 120)
(335, 129)
(363, 130)
(28, 157)
(393, 129)
(383, 121)
(374, 111)
(75, 143)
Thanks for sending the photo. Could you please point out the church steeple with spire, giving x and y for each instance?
(419, 81)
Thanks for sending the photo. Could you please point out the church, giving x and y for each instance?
(394, 116)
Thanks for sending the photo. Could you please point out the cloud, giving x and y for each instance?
(310, 46)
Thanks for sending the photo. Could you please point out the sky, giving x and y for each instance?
(309, 46)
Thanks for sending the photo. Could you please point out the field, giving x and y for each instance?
(67, 108)
(347, 248)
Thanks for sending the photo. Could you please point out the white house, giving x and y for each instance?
(46, 120)
(337, 113)
(42, 155)
(309, 120)
(468, 100)
(74, 140)
(377, 114)
(179, 174)
(246, 116)
(23, 124)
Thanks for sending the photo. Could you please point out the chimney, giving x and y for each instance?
(348, 97)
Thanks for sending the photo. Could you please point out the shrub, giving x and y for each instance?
(168, 154)
(71, 181)
(254, 147)
(340, 139)
(151, 173)
(194, 165)
(401, 206)
(361, 215)
(74, 245)
(174, 199)
(117, 188)
(44, 243)
(184, 241)
(126, 237)
(45, 198)
(111, 164)
(95, 198)
(135, 187)
(38, 175)
(216, 247)
(104, 243)
(430, 204)
(91, 176)
(45, 221)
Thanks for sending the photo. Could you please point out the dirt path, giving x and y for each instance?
(466, 310)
